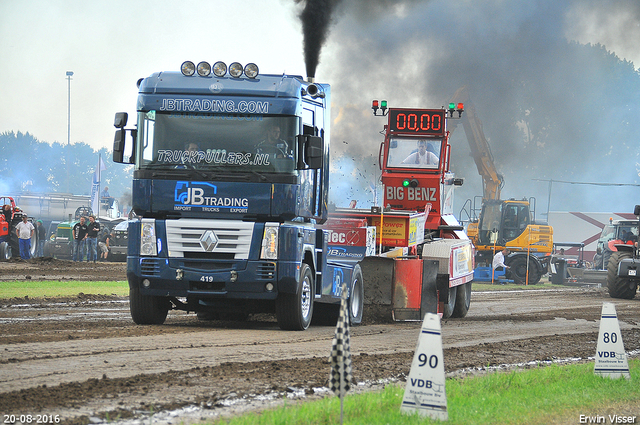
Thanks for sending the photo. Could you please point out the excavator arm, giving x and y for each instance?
(492, 181)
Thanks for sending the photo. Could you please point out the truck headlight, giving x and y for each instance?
(269, 249)
(148, 240)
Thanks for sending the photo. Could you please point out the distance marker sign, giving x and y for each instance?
(611, 359)
(425, 390)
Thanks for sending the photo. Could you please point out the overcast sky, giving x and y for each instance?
(109, 45)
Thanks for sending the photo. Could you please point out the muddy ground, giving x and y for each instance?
(84, 359)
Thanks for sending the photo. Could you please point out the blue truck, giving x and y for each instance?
(230, 182)
(230, 192)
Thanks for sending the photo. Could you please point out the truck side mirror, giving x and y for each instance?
(118, 145)
(314, 152)
(310, 151)
(636, 210)
(120, 120)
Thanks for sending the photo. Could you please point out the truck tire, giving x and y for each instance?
(294, 311)
(451, 305)
(147, 309)
(5, 251)
(356, 299)
(14, 245)
(619, 287)
(463, 300)
(518, 268)
(33, 250)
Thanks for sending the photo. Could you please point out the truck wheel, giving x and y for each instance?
(619, 287)
(5, 251)
(519, 271)
(294, 311)
(451, 305)
(463, 300)
(14, 245)
(34, 246)
(147, 309)
(356, 300)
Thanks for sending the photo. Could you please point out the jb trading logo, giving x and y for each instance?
(186, 195)
(199, 194)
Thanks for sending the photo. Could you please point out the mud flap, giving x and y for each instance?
(377, 276)
(399, 289)
(377, 279)
(414, 289)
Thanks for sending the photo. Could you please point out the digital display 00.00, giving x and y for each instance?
(417, 121)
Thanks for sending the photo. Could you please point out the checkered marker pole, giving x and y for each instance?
(340, 378)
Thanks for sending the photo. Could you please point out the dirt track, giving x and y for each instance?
(84, 359)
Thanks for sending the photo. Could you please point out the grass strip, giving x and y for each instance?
(57, 288)
(546, 395)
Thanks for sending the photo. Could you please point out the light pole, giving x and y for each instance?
(69, 75)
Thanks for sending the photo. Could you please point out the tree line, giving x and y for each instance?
(30, 165)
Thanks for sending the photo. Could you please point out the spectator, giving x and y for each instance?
(79, 237)
(41, 237)
(93, 228)
(8, 215)
(106, 197)
(103, 243)
(498, 260)
(25, 230)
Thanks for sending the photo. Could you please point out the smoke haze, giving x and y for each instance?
(555, 99)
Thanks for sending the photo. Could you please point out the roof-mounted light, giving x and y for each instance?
(204, 69)
(219, 69)
(251, 70)
(375, 105)
(188, 68)
(456, 107)
(235, 70)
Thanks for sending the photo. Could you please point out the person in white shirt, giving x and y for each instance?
(498, 259)
(25, 230)
(422, 157)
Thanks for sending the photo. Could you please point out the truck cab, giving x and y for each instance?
(231, 173)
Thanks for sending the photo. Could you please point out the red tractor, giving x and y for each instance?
(9, 219)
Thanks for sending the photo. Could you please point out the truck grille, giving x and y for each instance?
(266, 271)
(187, 236)
(149, 267)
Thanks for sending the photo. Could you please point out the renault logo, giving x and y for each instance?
(208, 241)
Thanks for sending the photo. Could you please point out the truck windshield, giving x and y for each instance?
(211, 142)
(414, 153)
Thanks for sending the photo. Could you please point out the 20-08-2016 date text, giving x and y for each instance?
(30, 419)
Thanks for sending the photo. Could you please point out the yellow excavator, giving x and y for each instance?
(502, 223)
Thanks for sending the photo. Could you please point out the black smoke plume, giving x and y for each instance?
(316, 18)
